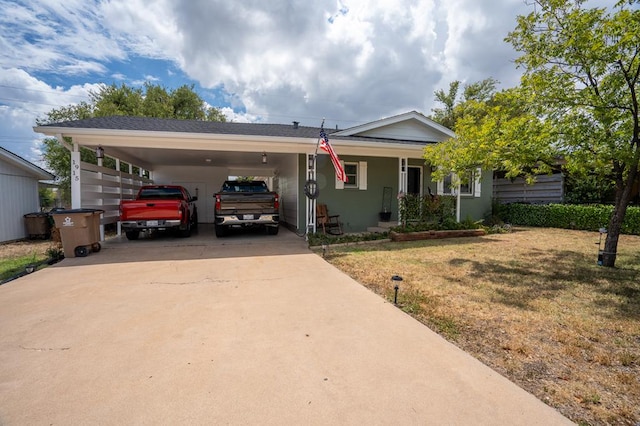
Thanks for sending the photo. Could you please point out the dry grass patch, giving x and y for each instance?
(531, 304)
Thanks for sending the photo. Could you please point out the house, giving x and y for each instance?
(200, 155)
(19, 193)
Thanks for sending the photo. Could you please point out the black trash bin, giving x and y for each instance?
(38, 225)
(79, 231)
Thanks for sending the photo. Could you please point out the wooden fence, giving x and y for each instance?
(547, 189)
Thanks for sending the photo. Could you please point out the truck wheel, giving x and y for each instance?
(81, 251)
(221, 231)
(272, 230)
(96, 247)
(132, 235)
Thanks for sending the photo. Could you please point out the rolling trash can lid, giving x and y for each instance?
(36, 214)
(71, 211)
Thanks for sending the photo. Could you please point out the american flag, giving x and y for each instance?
(326, 146)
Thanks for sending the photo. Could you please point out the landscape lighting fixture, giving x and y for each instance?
(100, 152)
(264, 158)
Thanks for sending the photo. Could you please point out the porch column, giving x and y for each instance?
(402, 181)
(311, 203)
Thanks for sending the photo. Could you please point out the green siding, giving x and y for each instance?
(476, 208)
(358, 209)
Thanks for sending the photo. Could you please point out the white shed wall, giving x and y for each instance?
(207, 180)
(18, 196)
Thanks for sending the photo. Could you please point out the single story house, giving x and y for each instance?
(379, 157)
(19, 193)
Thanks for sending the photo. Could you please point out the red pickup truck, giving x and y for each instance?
(159, 207)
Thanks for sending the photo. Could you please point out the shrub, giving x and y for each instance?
(427, 211)
(568, 216)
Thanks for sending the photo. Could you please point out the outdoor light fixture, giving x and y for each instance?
(264, 158)
(311, 161)
(100, 152)
(396, 279)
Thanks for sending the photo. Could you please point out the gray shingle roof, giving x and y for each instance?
(194, 126)
(188, 126)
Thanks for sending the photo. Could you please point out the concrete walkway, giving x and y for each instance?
(246, 330)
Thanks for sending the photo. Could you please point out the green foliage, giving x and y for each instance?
(428, 213)
(590, 189)
(577, 100)
(319, 238)
(454, 107)
(568, 216)
(150, 101)
(47, 198)
(427, 210)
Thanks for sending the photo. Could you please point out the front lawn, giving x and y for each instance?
(532, 304)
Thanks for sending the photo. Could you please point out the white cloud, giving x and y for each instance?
(23, 99)
(350, 61)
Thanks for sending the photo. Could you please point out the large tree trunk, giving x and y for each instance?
(613, 234)
(623, 196)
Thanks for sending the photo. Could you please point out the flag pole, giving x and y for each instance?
(318, 142)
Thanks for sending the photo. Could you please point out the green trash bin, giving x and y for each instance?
(79, 231)
(38, 225)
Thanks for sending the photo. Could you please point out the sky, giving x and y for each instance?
(347, 61)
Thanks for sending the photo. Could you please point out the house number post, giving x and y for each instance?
(76, 188)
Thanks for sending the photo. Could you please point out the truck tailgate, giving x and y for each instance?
(151, 209)
(249, 203)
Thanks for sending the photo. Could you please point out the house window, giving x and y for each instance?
(466, 188)
(351, 170)
(356, 173)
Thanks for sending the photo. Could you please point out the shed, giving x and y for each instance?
(18, 193)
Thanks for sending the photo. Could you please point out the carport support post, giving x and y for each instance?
(311, 203)
(76, 187)
(402, 183)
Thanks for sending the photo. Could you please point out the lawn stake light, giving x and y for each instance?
(396, 279)
(600, 251)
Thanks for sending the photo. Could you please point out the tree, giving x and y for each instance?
(454, 106)
(150, 101)
(578, 98)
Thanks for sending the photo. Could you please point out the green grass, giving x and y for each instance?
(13, 266)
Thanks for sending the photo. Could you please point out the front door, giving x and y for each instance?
(414, 180)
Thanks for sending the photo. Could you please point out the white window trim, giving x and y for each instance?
(475, 189)
(361, 176)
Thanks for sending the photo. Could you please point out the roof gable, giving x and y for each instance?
(410, 126)
(22, 164)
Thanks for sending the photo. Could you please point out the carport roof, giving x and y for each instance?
(188, 126)
(148, 124)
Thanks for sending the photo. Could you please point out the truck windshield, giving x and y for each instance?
(245, 187)
(160, 194)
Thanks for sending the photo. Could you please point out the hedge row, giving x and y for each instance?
(568, 216)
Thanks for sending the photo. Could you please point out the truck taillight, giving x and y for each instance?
(217, 203)
(276, 203)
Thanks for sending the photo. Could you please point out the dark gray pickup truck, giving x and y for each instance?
(244, 204)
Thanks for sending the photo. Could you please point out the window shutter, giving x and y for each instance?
(477, 188)
(339, 183)
(362, 175)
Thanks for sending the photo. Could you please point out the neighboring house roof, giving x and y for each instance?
(25, 165)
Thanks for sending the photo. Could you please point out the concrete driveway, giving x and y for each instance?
(251, 329)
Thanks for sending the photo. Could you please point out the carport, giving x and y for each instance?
(197, 155)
